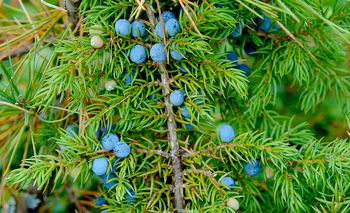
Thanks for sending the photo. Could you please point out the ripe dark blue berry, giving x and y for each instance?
(128, 77)
(226, 133)
(138, 54)
(237, 31)
(172, 27)
(99, 201)
(109, 141)
(114, 166)
(185, 112)
(98, 133)
(189, 127)
(130, 195)
(122, 27)
(138, 29)
(232, 56)
(106, 129)
(176, 55)
(252, 168)
(249, 49)
(177, 97)
(228, 181)
(158, 53)
(108, 182)
(244, 68)
(153, 97)
(72, 130)
(121, 149)
(159, 30)
(100, 166)
(185, 68)
(264, 24)
(198, 100)
(167, 15)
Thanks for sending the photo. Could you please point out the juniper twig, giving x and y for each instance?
(172, 137)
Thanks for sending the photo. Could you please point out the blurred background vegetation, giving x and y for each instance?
(32, 27)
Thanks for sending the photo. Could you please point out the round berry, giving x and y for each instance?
(96, 30)
(177, 97)
(159, 30)
(110, 85)
(106, 129)
(121, 149)
(166, 16)
(128, 77)
(72, 130)
(226, 133)
(185, 112)
(99, 201)
(249, 49)
(96, 42)
(233, 203)
(185, 68)
(264, 23)
(176, 55)
(198, 100)
(152, 97)
(122, 27)
(232, 56)
(107, 181)
(269, 173)
(130, 195)
(109, 141)
(158, 53)
(172, 27)
(99, 166)
(114, 166)
(138, 54)
(252, 168)
(189, 127)
(237, 31)
(228, 181)
(98, 133)
(138, 29)
(244, 68)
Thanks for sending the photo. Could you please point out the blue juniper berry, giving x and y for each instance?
(100, 166)
(138, 54)
(158, 53)
(121, 149)
(252, 168)
(109, 140)
(177, 97)
(226, 133)
(122, 27)
(138, 29)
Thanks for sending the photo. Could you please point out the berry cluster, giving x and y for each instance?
(167, 26)
(265, 25)
(110, 142)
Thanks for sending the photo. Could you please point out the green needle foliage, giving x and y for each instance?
(299, 63)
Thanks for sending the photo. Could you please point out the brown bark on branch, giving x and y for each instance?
(171, 124)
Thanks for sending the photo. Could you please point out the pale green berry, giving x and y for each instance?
(96, 30)
(110, 85)
(233, 203)
(96, 42)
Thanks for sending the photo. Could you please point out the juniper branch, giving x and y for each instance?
(72, 7)
(172, 137)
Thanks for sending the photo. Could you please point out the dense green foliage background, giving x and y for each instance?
(292, 112)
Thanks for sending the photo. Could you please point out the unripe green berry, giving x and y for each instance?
(233, 203)
(96, 42)
(110, 85)
(96, 30)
